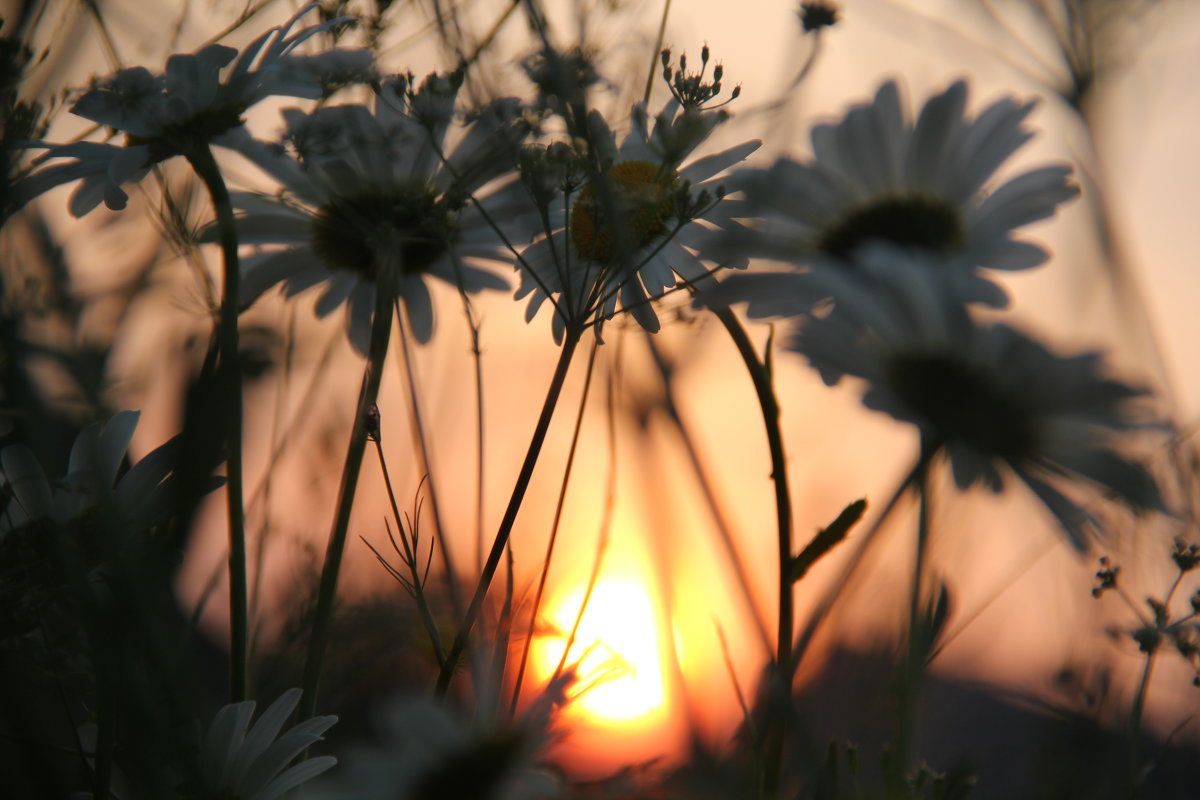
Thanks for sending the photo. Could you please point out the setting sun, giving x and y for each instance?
(616, 649)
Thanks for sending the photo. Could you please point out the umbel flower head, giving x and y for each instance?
(241, 764)
(991, 399)
(625, 234)
(370, 199)
(198, 100)
(876, 176)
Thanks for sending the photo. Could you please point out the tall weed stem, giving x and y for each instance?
(381, 329)
(760, 374)
(570, 341)
(1136, 769)
(202, 161)
(554, 528)
(918, 637)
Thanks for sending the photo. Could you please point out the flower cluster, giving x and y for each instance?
(885, 232)
(883, 250)
(1167, 623)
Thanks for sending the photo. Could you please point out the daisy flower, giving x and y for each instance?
(368, 199)
(430, 750)
(252, 764)
(198, 100)
(94, 484)
(625, 235)
(991, 399)
(876, 176)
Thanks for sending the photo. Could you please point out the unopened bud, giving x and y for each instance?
(372, 423)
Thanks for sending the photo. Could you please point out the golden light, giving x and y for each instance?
(616, 651)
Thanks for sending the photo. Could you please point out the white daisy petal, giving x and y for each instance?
(704, 168)
(196, 94)
(994, 400)
(419, 309)
(921, 188)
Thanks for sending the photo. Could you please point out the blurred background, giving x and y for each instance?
(119, 308)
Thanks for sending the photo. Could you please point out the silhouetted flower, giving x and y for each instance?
(196, 101)
(817, 15)
(368, 191)
(630, 231)
(141, 496)
(429, 750)
(254, 764)
(989, 397)
(877, 177)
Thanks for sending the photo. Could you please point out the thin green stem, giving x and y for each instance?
(821, 612)
(724, 529)
(417, 425)
(605, 529)
(1135, 727)
(570, 341)
(760, 374)
(658, 43)
(918, 635)
(492, 33)
(205, 165)
(409, 556)
(477, 361)
(381, 330)
(554, 527)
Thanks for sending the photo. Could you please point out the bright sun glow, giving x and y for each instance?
(616, 647)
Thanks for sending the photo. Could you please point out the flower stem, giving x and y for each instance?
(1135, 727)
(658, 43)
(409, 556)
(381, 329)
(570, 340)
(554, 528)
(918, 633)
(760, 374)
(205, 165)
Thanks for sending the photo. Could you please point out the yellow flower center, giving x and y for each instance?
(644, 197)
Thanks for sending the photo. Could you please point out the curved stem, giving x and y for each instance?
(570, 340)
(205, 165)
(760, 374)
(822, 611)
(554, 526)
(381, 329)
(723, 528)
